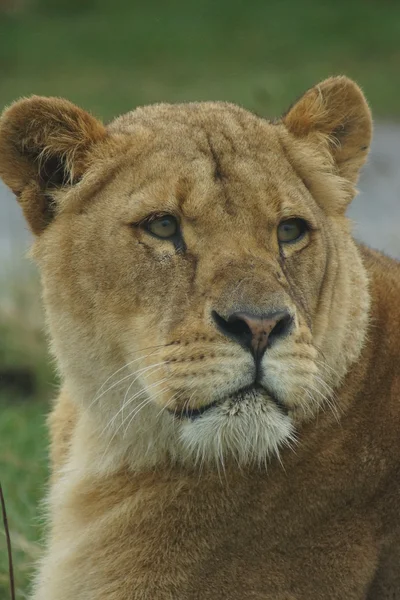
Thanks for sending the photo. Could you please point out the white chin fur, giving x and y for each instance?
(250, 434)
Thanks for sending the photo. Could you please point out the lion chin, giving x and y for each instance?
(228, 423)
(249, 426)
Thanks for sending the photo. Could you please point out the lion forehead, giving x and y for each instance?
(212, 156)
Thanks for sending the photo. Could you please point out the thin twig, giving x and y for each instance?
(9, 550)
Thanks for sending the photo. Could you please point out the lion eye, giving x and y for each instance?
(291, 230)
(163, 227)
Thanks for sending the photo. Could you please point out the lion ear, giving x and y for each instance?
(335, 112)
(44, 145)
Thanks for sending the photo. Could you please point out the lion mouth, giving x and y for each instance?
(243, 394)
(195, 413)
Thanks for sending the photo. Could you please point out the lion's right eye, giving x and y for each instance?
(164, 227)
(291, 230)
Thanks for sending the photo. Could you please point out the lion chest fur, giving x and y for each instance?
(239, 538)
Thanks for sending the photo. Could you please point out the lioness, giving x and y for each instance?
(229, 420)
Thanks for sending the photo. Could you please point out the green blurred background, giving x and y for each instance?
(110, 56)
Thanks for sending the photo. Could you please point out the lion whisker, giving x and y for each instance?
(98, 396)
(125, 402)
(139, 373)
(137, 410)
(158, 346)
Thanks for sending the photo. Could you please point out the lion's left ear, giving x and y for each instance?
(335, 112)
(45, 144)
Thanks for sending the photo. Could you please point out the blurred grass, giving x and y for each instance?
(25, 366)
(111, 56)
(23, 474)
(26, 382)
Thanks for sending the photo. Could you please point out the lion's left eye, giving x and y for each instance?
(163, 227)
(291, 230)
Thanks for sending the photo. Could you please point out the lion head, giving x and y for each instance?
(204, 295)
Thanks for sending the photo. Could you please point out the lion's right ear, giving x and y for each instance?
(44, 145)
(334, 117)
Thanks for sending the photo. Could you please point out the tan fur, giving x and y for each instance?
(250, 500)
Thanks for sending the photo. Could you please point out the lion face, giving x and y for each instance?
(203, 292)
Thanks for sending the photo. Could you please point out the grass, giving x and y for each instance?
(111, 56)
(23, 474)
(26, 382)
(25, 366)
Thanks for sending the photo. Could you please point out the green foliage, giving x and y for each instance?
(23, 473)
(26, 381)
(111, 56)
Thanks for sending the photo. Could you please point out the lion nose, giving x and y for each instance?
(255, 332)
